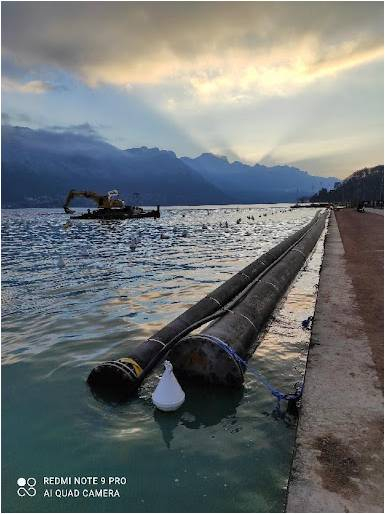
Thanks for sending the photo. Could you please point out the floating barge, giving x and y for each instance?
(118, 214)
(110, 207)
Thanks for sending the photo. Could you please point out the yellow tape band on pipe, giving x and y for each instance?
(137, 368)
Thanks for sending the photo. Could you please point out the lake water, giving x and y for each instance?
(76, 296)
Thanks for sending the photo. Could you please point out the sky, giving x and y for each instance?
(297, 83)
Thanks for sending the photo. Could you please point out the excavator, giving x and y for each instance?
(110, 207)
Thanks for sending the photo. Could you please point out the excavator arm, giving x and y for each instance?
(103, 202)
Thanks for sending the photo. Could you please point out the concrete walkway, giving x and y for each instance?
(338, 462)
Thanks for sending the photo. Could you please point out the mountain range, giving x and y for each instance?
(39, 167)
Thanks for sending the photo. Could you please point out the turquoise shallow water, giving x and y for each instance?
(77, 296)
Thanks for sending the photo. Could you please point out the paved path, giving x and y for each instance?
(338, 464)
(363, 240)
(375, 211)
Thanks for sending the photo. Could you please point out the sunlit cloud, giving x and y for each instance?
(237, 75)
(282, 73)
(36, 87)
(218, 52)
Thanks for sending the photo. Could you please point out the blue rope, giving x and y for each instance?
(261, 378)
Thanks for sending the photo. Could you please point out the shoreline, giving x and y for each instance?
(338, 455)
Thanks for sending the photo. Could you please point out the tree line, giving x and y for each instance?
(366, 185)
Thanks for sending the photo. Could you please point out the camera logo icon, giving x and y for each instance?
(26, 486)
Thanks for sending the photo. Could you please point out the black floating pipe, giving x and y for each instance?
(126, 374)
(209, 356)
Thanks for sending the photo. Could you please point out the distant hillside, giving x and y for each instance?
(363, 185)
(257, 183)
(39, 167)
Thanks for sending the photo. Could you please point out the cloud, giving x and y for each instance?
(83, 129)
(217, 51)
(282, 71)
(33, 86)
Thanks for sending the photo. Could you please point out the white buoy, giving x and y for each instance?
(168, 395)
